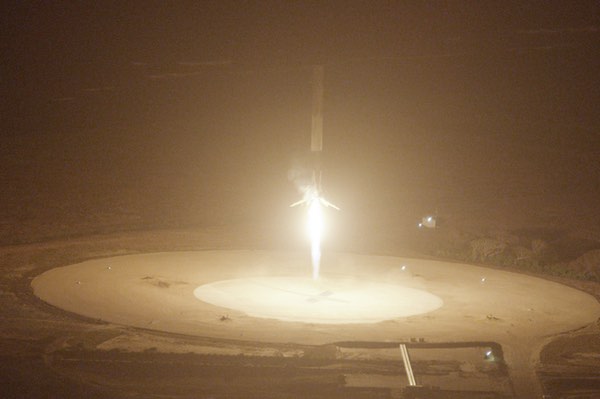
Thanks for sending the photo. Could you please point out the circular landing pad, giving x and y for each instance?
(160, 291)
(323, 301)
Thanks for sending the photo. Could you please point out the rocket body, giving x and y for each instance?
(312, 193)
(316, 137)
(316, 134)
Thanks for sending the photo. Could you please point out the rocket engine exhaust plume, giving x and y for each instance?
(315, 232)
(315, 224)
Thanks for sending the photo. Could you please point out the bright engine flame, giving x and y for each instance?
(315, 232)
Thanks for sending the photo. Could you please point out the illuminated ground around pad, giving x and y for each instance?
(324, 301)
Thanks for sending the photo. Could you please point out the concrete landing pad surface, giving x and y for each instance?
(454, 302)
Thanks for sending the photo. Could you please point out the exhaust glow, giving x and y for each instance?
(315, 232)
(315, 224)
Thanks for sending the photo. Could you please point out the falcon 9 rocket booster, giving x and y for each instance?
(316, 137)
(313, 192)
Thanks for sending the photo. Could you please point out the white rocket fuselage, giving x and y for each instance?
(312, 193)
(316, 137)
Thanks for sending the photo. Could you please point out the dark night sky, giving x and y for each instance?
(439, 97)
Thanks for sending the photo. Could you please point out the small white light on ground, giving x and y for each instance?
(403, 267)
(428, 221)
(483, 279)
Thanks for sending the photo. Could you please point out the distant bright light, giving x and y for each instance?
(403, 267)
(315, 232)
(428, 221)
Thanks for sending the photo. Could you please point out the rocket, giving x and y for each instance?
(316, 136)
(316, 133)
(313, 192)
